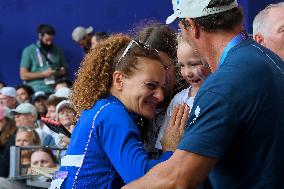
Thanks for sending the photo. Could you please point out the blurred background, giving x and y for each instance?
(19, 20)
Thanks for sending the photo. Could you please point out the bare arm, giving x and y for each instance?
(182, 171)
(25, 74)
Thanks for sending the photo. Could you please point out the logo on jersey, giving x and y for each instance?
(197, 111)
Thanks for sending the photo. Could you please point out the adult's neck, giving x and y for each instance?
(218, 41)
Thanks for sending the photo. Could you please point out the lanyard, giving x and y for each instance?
(40, 61)
(235, 41)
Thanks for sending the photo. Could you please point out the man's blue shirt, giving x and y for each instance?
(238, 117)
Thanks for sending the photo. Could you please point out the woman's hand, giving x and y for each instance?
(175, 128)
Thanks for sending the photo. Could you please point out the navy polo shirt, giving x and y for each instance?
(238, 117)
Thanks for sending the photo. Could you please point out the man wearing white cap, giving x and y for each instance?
(235, 132)
(83, 37)
(8, 97)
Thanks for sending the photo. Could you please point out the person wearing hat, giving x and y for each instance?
(42, 62)
(7, 138)
(26, 116)
(235, 131)
(8, 97)
(65, 114)
(83, 37)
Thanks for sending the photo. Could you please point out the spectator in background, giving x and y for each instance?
(26, 116)
(63, 82)
(42, 62)
(7, 138)
(26, 136)
(65, 114)
(43, 157)
(268, 28)
(62, 92)
(8, 97)
(51, 104)
(39, 101)
(82, 36)
(24, 93)
(98, 37)
(2, 84)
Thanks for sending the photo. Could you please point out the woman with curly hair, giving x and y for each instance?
(119, 81)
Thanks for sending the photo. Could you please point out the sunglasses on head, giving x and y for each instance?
(140, 45)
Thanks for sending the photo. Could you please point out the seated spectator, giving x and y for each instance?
(26, 136)
(24, 93)
(63, 92)
(82, 36)
(7, 138)
(98, 37)
(39, 101)
(43, 157)
(63, 82)
(26, 116)
(65, 114)
(51, 114)
(8, 97)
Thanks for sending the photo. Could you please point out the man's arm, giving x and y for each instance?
(25, 74)
(182, 171)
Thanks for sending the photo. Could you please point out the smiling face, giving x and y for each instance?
(144, 88)
(191, 66)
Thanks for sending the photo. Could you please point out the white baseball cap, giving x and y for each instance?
(25, 108)
(196, 9)
(8, 91)
(80, 32)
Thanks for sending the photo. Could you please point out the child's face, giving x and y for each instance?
(190, 64)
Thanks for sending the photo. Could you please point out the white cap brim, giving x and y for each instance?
(89, 30)
(171, 18)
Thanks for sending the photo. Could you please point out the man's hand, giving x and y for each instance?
(175, 128)
(47, 73)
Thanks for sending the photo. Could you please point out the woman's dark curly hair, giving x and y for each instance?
(94, 77)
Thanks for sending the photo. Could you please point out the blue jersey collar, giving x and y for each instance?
(239, 38)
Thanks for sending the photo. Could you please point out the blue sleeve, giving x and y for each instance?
(211, 128)
(120, 138)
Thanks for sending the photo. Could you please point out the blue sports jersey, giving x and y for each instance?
(105, 150)
(238, 117)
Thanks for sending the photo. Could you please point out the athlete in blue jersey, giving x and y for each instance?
(235, 132)
(125, 79)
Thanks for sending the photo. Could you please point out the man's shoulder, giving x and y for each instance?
(30, 48)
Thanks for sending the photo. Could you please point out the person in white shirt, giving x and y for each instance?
(194, 71)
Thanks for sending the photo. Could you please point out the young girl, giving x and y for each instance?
(194, 71)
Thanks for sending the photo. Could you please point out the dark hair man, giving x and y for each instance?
(235, 134)
(42, 61)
